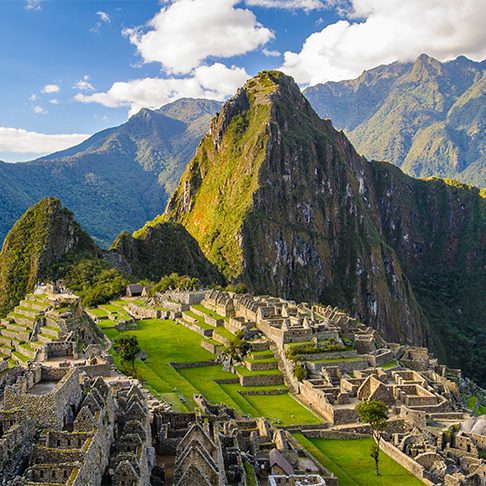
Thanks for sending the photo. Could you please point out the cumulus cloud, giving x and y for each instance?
(271, 53)
(103, 16)
(84, 84)
(212, 82)
(382, 31)
(21, 141)
(39, 110)
(187, 32)
(287, 4)
(54, 101)
(50, 88)
(33, 4)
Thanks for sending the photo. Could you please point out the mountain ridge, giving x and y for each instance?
(419, 116)
(280, 200)
(118, 178)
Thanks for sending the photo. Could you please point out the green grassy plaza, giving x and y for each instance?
(166, 341)
(350, 461)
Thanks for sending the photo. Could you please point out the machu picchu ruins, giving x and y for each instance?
(69, 416)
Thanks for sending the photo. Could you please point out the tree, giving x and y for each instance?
(238, 347)
(375, 414)
(129, 349)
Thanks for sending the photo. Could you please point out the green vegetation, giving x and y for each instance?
(374, 413)
(349, 461)
(43, 236)
(118, 178)
(472, 403)
(128, 349)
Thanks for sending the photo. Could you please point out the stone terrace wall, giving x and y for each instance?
(407, 462)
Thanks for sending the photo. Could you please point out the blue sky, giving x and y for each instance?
(70, 68)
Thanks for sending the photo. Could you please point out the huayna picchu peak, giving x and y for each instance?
(280, 200)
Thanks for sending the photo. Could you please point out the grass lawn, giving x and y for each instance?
(472, 403)
(350, 461)
(202, 379)
(98, 312)
(165, 341)
(207, 311)
(222, 331)
(389, 365)
(119, 302)
(283, 407)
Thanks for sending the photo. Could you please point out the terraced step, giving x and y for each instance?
(37, 344)
(38, 298)
(44, 338)
(20, 336)
(26, 311)
(31, 304)
(4, 322)
(5, 341)
(6, 350)
(261, 354)
(50, 322)
(20, 358)
(51, 331)
(13, 326)
(26, 351)
(261, 364)
(20, 319)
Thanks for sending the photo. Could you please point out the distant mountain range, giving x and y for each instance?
(118, 178)
(427, 117)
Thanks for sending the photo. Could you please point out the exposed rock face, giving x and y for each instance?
(159, 250)
(278, 198)
(45, 234)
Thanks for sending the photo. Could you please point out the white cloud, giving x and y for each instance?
(21, 141)
(271, 53)
(33, 4)
(54, 101)
(287, 4)
(39, 110)
(33, 97)
(187, 32)
(104, 16)
(84, 84)
(382, 31)
(213, 82)
(50, 88)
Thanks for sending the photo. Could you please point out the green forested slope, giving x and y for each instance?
(115, 180)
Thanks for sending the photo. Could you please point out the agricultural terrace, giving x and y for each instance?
(166, 341)
(350, 461)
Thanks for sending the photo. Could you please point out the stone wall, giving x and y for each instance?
(143, 312)
(347, 366)
(212, 348)
(333, 434)
(196, 364)
(188, 298)
(16, 435)
(50, 410)
(260, 380)
(407, 462)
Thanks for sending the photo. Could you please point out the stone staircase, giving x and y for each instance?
(25, 330)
